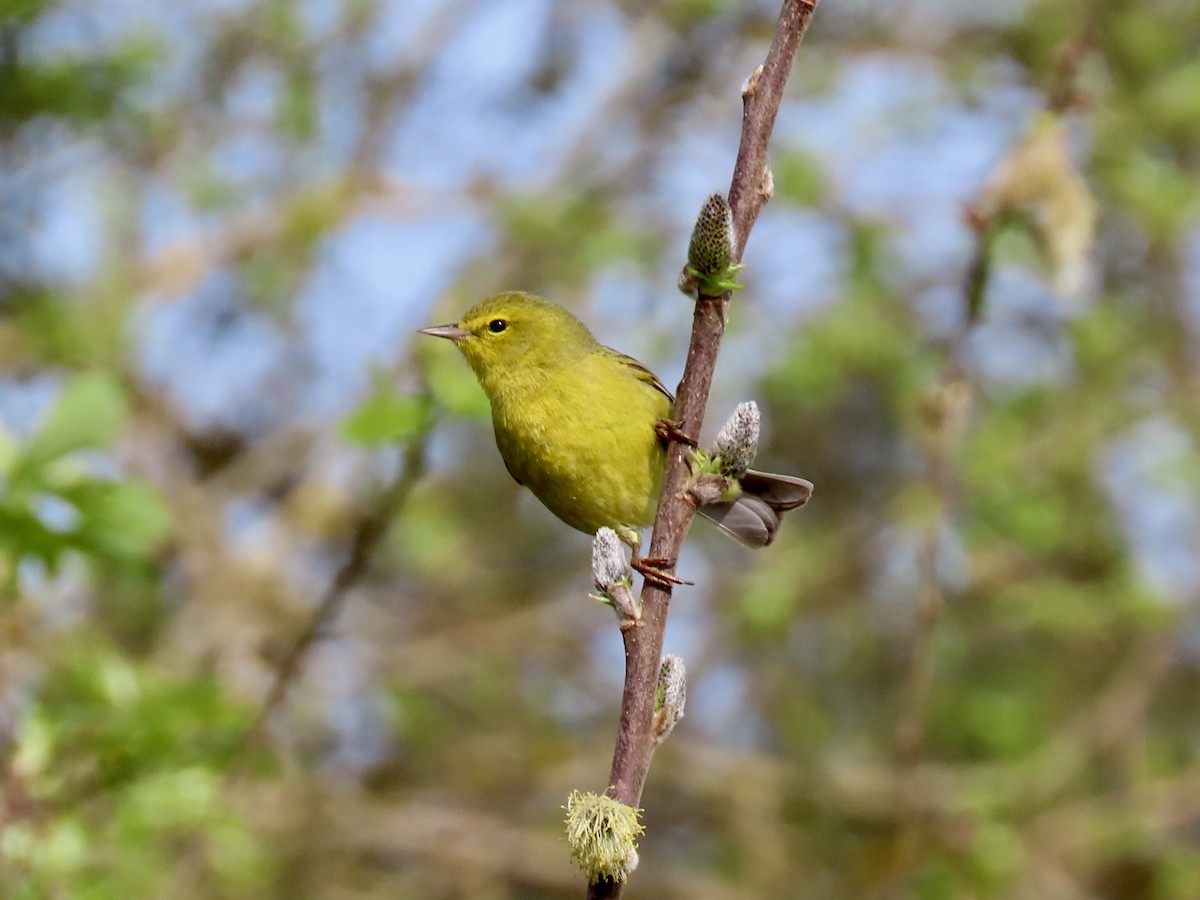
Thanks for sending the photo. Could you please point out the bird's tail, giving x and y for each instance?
(753, 518)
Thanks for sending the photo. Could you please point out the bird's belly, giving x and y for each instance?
(590, 469)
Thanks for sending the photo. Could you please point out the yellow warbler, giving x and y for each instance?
(578, 423)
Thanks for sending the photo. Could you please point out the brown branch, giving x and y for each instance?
(748, 192)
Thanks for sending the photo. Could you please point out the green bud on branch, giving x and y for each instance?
(737, 441)
(711, 247)
(610, 571)
(608, 559)
(710, 270)
(670, 696)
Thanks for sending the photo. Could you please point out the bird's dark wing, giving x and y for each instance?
(780, 492)
(643, 373)
(749, 520)
(753, 518)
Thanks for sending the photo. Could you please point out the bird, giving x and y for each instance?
(582, 425)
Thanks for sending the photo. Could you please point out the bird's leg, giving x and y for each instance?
(654, 569)
(669, 431)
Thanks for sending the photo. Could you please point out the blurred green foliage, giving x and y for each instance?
(968, 669)
(387, 417)
(52, 505)
(563, 237)
(130, 763)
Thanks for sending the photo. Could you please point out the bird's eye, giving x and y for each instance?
(497, 325)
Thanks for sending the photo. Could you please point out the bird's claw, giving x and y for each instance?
(656, 570)
(670, 431)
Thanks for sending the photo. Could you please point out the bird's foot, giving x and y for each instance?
(657, 570)
(670, 431)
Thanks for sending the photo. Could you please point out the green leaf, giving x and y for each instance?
(122, 520)
(387, 417)
(88, 415)
(23, 535)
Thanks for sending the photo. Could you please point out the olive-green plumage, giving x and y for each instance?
(575, 420)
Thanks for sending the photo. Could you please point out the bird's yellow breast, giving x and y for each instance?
(582, 439)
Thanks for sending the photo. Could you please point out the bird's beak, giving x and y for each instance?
(453, 331)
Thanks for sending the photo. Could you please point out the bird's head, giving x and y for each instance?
(513, 332)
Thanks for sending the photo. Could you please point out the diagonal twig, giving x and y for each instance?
(368, 532)
(749, 190)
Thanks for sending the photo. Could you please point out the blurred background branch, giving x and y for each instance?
(367, 533)
(220, 224)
